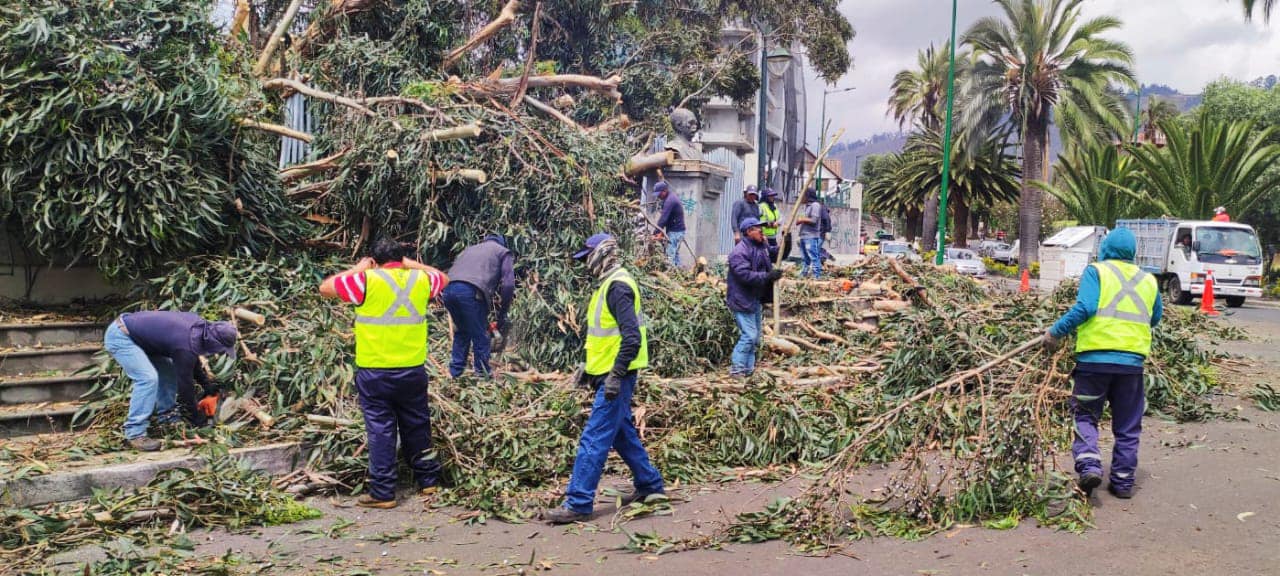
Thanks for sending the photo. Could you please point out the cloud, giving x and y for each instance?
(1182, 43)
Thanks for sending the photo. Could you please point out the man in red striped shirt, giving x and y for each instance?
(391, 292)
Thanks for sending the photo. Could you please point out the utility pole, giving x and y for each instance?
(946, 145)
(822, 140)
(762, 138)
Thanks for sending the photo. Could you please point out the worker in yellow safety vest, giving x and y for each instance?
(1116, 307)
(769, 220)
(617, 346)
(391, 292)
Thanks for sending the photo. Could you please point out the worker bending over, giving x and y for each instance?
(478, 274)
(1115, 309)
(617, 346)
(160, 352)
(391, 292)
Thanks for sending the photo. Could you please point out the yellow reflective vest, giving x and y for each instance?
(769, 216)
(1126, 302)
(604, 339)
(391, 324)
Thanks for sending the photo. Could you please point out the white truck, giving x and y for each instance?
(1182, 253)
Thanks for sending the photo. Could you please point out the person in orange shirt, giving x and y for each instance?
(1220, 215)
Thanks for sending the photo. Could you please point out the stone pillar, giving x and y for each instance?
(699, 185)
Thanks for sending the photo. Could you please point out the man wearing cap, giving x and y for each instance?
(751, 277)
(810, 220)
(747, 207)
(391, 292)
(479, 273)
(1117, 306)
(617, 346)
(1220, 214)
(769, 219)
(671, 222)
(160, 352)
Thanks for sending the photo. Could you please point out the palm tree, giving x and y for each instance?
(1210, 164)
(1158, 110)
(1041, 64)
(885, 197)
(1265, 5)
(918, 97)
(1091, 181)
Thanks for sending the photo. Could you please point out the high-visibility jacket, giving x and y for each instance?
(1126, 302)
(604, 339)
(769, 216)
(391, 324)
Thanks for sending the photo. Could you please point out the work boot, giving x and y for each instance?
(367, 501)
(557, 516)
(636, 496)
(144, 444)
(1088, 481)
(1121, 493)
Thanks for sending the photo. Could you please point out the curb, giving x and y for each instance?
(274, 459)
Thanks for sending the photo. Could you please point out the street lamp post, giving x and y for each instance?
(781, 56)
(822, 140)
(946, 147)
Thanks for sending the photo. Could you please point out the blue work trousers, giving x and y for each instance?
(155, 387)
(744, 353)
(395, 400)
(673, 247)
(1092, 389)
(470, 313)
(609, 426)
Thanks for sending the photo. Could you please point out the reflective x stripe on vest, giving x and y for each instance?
(391, 332)
(1128, 291)
(604, 338)
(1126, 300)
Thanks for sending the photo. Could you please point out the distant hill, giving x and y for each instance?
(847, 152)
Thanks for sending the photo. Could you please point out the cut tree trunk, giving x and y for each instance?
(1031, 201)
(646, 162)
(929, 224)
(504, 19)
(274, 40)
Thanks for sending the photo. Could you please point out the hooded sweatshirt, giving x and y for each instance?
(1120, 245)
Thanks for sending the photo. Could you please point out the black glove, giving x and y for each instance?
(580, 377)
(1051, 343)
(612, 386)
(774, 275)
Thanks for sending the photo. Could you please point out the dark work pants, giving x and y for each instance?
(1094, 386)
(396, 399)
(470, 313)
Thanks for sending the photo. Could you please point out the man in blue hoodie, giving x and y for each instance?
(1115, 309)
(751, 277)
(671, 222)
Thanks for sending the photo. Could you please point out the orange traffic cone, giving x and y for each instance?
(1025, 286)
(1206, 301)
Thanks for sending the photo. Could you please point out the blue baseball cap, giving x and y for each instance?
(751, 190)
(660, 187)
(749, 223)
(592, 242)
(769, 193)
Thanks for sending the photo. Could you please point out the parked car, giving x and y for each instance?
(899, 250)
(987, 248)
(1005, 253)
(966, 261)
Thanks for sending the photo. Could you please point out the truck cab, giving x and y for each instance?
(1183, 253)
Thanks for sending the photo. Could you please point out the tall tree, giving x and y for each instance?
(1265, 6)
(1158, 110)
(918, 98)
(1042, 64)
(1091, 180)
(1210, 164)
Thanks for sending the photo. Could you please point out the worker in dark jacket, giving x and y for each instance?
(751, 276)
(478, 274)
(671, 222)
(747, 207)
(391, 292)
(617, 346)
(1117, 306)
(160, 352)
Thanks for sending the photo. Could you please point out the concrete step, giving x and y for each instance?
(79, 482)
(50, 334)
(46, 361)
(36, 418)
(62, 388)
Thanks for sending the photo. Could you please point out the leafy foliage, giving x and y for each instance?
(112, 118)
(1091, 180)
(1211, 164)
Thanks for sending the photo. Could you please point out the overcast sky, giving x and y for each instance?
(1182, 43)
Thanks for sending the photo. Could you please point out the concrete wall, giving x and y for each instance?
(53, 284)
(846, 228)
